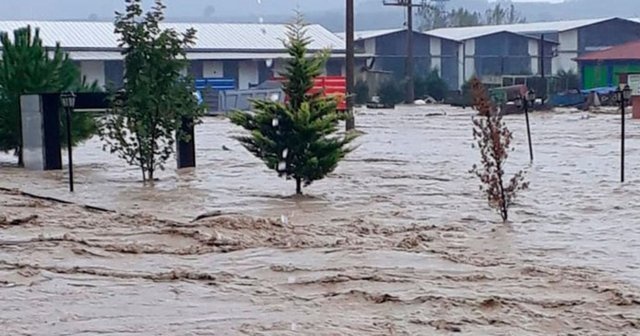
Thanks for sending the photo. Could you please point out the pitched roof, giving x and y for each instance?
(367, 34)
(627, 51)
(466, 33)
(82, 35)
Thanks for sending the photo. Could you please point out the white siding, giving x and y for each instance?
(247, 73)
(212, 69)
(370, 46)
(535, 59)
(435, 46)
(469, 60)
(461, 68)
(93, 71)
(567, 50)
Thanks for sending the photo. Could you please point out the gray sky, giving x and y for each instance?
(82, 9)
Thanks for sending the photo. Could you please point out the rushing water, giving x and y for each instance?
(398, 238)
(413, 164)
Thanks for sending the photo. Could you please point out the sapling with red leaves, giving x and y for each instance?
(493, 139)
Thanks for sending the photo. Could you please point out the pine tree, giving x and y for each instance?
(297, 138)
(144, 126)
(27, 67)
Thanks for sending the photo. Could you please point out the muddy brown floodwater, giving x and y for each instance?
(398, 241)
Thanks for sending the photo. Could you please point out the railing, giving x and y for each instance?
(233, 100)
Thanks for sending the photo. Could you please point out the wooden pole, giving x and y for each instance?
(350, 65)
(409, 62)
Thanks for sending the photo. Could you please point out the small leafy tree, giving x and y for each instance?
(296, 138)
(493, 139)
(156, 97)
(28, 67)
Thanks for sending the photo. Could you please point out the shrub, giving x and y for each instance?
(361, 93)
(493, 139)
(391, 92)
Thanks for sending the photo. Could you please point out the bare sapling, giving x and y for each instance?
(493, 139)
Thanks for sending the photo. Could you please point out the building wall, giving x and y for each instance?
(114, 73)
(534, 51)
(391, 51)
(606, 34)
(469, 51)
(435, 49)
(450, 64)
(212, 69)
(502, 54)
(247, 74)
(567, 51)
(93, 71)
(601, 74)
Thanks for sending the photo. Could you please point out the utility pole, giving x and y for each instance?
(350, 66)
(410, 72)
(409, 68)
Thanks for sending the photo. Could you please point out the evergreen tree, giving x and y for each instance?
(28, 67)
(158, 98)
(296, 138)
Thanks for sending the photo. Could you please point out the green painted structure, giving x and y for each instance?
(605, 73)
(604, 68)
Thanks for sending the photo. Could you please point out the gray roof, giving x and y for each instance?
(466, 33)
(367, 34)
(81, 35)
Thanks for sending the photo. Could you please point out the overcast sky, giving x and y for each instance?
(83, 9)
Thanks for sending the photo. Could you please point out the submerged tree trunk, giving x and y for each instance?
(298, 185)
(20, 155)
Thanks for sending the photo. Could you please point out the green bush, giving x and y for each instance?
(391, 92)
(361, 93)
(430, 85)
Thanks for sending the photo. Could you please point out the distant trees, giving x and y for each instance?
(158, 97)
(27, 66)
(297, 139)
(434, 17)
(499, 15)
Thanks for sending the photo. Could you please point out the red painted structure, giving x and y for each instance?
(332, 86)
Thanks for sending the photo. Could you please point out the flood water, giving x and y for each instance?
(411, 167)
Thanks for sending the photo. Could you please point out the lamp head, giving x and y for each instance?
(68, 99)
(626, 92)
(531, 96)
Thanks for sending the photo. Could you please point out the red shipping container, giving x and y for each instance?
(333, 86)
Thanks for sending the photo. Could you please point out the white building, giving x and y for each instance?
(248, 53)
(483, 47)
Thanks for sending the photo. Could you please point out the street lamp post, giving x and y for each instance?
(623, 95)
(527, 102)
(69, 102)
